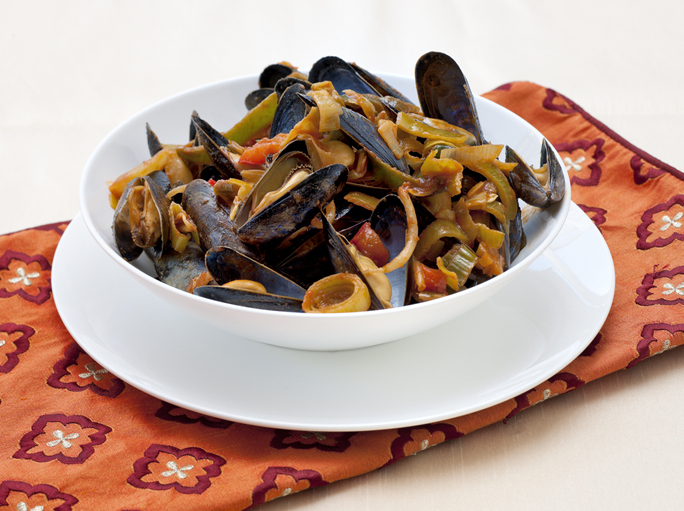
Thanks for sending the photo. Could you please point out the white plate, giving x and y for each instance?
(502, 348)
(222, 104)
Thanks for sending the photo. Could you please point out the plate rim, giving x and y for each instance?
(359, 425)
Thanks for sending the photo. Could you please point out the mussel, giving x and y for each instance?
(527, 185)
(228, 266)
(141, 218)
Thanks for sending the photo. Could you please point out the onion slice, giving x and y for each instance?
(341, 292)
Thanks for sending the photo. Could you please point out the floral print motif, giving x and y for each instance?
(415, 439)
(559, 103)
(14, 340)
(25, 276)
(69, 440)
(41, 497)
(657, 338)
(662, 224)
(664, 287)
(558, 384)
(282, 481)
(164, 467)
(582, 160)
(597, 215)
(641, 175)
(337, 442)
(77, 372)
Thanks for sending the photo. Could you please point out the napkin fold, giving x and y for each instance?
(78, 437)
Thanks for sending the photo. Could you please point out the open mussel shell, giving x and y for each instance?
(153, 143)
(343, 262)
(379, 85)
(341, 74)
(249, 299)
(151, 230)
(290, 158)
(296, 208)
(290, 110)
(215, 143)
(527, 186)
(225, 265)
(121, 228)
(389, 221)
(444, 93)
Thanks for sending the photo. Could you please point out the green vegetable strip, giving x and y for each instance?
(460, 260)
(254, 122)
(420, 129)
(506, 193)
(437, 230)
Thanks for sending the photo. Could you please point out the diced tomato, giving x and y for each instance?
(211, 181)
(369, 244)
(256, 154)
(435, 280)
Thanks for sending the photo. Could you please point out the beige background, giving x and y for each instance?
(73, 70)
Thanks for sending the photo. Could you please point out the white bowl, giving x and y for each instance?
(222, 104)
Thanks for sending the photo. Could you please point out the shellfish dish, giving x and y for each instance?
(334, 193)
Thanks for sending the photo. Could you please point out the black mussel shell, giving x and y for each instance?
(213, 141)
(226, 264)
(444, 93)
(249, 299)
(341, 74)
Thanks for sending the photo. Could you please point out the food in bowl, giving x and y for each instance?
(334, 187)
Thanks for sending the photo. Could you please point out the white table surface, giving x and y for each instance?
(73, 70)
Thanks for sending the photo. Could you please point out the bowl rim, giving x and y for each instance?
(561, 215)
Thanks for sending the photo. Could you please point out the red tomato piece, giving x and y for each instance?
(369, 244)
(256, 154)
(435, 280)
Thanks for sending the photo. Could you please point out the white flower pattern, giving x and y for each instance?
(61, 438)
(179, 472)
(671, 222)
(23, 277)
(670, 288)
(575, 165)
(94, 372)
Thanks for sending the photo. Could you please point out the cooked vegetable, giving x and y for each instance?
(336, 194)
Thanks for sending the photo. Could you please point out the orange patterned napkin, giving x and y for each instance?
(77, 437)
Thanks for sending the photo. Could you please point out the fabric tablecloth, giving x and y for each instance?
(75, 436)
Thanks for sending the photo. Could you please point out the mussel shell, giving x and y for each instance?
(213, 141)
(526, 185)
(379, 85)
(365, 133)
(178, 269)
(296, 208)
(290, 110)
(121, 227)
(284, 83)
(389, 222)
(153, 143)
(444, 93)
(286, 161)
(257, 96)
(225, 265)
(341, 74)
(212, 218)
(249, 299)
(343, 262)
(272, 73)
